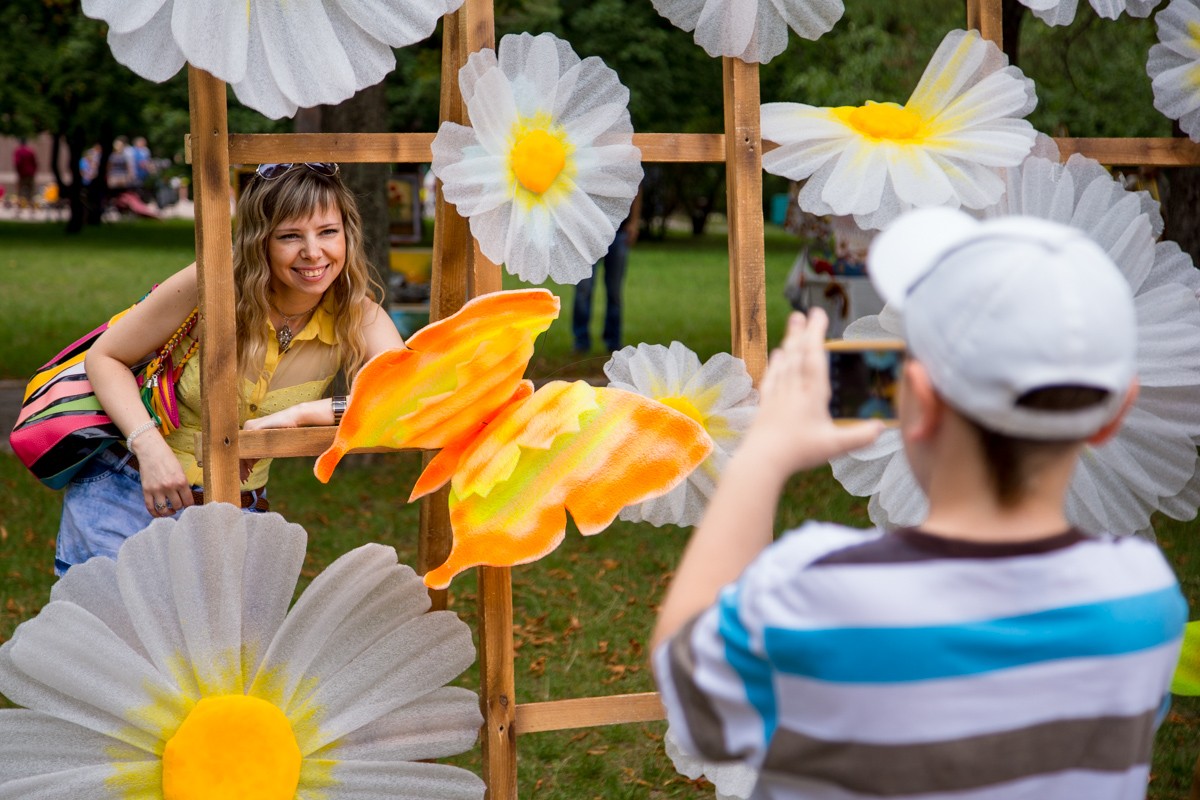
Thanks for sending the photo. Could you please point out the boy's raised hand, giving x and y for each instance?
(793, 430)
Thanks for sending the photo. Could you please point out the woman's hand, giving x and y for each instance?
(165, 487)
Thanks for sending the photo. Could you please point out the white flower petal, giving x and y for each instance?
(137, 782)
(752, 30)
(398, 24)
(493, 112)
(42, 744)
(24, 690)
(917, 179)
(72, 652)
(442, 723)
(144, 578)
(124, 16)
(328, 601)
(93, 587)
(366, 780)
(856, 183)
(409, 662)
(149, 51)
(731, 780)
(1062, 12)
(214, 34)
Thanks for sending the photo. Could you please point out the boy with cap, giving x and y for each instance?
(992, 652)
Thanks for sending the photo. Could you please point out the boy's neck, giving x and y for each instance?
(963, 502)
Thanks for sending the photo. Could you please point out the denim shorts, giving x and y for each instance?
(103, 506)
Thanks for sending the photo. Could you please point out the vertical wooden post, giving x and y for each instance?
(214, 260)
(987, 16)
(743, 180)
(460, 271)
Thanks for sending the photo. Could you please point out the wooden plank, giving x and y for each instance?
(589, 712)
(743, 179)
(1161, 152)
(415, 148)
(655, 147)
(398, 148)
(214, 258)
(990, 19)
(293, 443)
(498, 695)
(973, 14)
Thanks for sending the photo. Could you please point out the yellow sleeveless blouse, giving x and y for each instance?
(303, 373)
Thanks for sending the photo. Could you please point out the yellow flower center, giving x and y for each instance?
(684, 406)
(537, 158)
(882, 120)
(232, 747)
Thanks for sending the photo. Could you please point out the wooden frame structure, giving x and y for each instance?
(462, 272)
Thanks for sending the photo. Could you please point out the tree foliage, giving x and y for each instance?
(57, 74)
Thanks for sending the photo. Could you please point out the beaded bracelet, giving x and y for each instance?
(138, 431)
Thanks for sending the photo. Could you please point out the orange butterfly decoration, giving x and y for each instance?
(517, 460)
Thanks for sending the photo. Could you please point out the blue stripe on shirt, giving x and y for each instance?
(890, 655)
(753, 670)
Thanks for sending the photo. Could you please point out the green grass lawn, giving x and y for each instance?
(582, 615)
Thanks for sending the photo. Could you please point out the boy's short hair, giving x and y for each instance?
(1002, 311)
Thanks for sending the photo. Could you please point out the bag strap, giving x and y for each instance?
(159, 362)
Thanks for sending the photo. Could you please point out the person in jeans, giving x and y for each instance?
(306, 307)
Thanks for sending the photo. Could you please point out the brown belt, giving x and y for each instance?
(254, 500)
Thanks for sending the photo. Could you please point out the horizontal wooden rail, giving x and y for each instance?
(415, 148)
(588, 712)
(290, 443)
(1163, 152)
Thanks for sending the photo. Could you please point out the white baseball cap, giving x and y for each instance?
(997, 309)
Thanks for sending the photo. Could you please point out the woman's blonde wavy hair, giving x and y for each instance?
(263, 206)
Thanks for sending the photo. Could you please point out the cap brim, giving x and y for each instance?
(905, 252)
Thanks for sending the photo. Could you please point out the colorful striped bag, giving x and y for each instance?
(62, 425)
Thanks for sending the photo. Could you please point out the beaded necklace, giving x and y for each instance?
(283, 334)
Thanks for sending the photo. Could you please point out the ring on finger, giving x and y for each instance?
(161, 506)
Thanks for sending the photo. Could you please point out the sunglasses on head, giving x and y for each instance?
(271, 171)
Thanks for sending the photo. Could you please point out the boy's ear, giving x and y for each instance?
(1110, 429)
(926, 415)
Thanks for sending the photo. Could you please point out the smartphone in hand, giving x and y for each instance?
(864, 376)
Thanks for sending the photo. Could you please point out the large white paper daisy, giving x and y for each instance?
(1062, 12)
(1174, 65)
(720, 395)
(944, 147)
(1151, 464)
(547, 170)
(277, 56)
(752, 30)
(177, 672)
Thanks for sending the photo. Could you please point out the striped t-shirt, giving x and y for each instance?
(849, 664)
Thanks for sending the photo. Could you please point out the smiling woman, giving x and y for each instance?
(306, 308)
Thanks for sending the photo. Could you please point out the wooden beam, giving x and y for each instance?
(214, 259)
(743, 179)
(1162, 152)
(498, 697)
(370, 148)
(588, 712)
(987, 17)
(415, 148)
